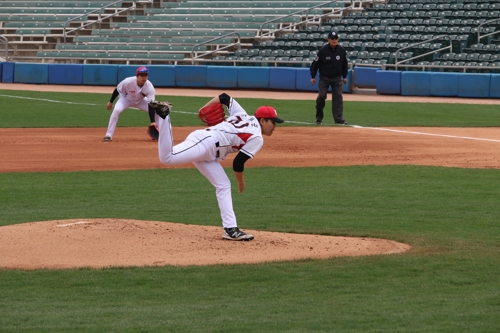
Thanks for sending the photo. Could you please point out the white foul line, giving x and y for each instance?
(47, 100)
(293, 122)
(428, 134)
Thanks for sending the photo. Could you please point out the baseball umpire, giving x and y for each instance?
(135, 91)
(240, 133)
(331, 61)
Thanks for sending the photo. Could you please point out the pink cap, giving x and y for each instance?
(141, 70)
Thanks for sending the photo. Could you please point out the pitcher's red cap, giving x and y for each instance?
(268, 112)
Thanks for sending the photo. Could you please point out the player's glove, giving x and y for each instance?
(153, 131)
(161, 108)
(212, 114)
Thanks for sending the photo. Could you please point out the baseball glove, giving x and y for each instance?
(153, 131)
(161, 108)
(212, 114)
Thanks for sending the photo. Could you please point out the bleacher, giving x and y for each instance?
(446, 35)
(168, 26)
(31, 26)
(469, 31)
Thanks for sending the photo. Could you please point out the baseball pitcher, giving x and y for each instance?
(240, 133)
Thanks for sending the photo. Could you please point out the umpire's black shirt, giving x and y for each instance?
(331, 62)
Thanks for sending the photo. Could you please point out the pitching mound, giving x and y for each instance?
(101, 243)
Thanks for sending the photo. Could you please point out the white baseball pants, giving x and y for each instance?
(200, 149)
(121, 105)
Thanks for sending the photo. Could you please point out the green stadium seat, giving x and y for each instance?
(277, 53)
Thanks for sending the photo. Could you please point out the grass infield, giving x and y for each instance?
(448, 281)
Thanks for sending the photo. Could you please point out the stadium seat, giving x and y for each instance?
(461, 57)
(385, 55)
(277, 53)
(304, 45)
(474, 48)
(495, 67)
(380, 46)
(485, 57)
(363, 55)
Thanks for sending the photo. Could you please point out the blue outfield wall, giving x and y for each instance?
(416, 83)
(495, 86)
(406, 83)
(66, 74)
(100, 75)
(31, 73)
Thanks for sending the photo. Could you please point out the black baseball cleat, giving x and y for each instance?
(341, 123)
(318, 122)
(236, 234)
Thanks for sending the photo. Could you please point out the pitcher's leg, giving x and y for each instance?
(196, 147)
(165, 139)
(214, 172)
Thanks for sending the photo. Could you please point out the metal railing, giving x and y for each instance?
(5, 42)
(491, 33)
(306, 21)
(462, 68)
(396, 63)
(195, 58)
(99, 15)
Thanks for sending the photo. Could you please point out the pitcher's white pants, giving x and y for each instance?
(198, 148)
(120, 106)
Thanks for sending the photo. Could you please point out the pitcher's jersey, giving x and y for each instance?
(239, 132)
(129, 89)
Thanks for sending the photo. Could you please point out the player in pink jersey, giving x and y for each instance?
(239, 133)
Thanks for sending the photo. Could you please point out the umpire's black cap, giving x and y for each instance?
(333, 35)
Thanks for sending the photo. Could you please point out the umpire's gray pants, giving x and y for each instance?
(337, 100)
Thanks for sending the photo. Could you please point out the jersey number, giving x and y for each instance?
(238, 122)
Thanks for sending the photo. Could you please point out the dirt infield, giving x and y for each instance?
(113, 242)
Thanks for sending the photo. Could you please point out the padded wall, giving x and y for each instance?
(365, 77)
(303, 81)
(495, 86)
(416, 83)
(100, 75)
(66, 74)
(282, 78)
(347, 88)
(253, 77)
(388, 82)
(8, 72)
(191, 76)
(31, 73)
(293, 79)
(161, 75)
(474, 85)
(444, 84)
(222, 76)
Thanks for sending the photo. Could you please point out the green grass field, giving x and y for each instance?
(448, 282)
